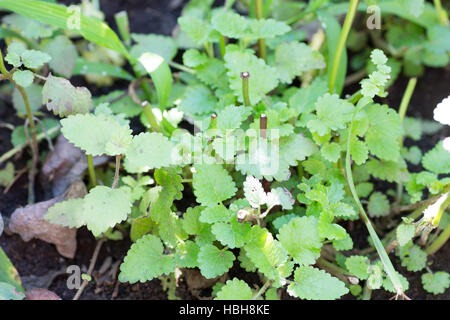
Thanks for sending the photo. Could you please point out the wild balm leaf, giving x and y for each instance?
(148, 151)
(145, 261)
(97, 134)
(212, 184)
(313, 284)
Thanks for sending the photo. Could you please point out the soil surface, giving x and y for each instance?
(40, 265)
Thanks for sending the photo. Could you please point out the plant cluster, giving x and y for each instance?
(277, 168)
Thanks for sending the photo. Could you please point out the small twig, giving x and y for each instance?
(7, 126)
(262, 290)
(116, 172)
(20, 147)
(355, 77)
(181, 67)
(19, 174)
(44, 130)
(337, 271)
(91, 268)
(416, 205)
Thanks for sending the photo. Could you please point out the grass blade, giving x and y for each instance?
(64, 17)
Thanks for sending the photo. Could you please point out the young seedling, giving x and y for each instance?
(19, 56)
(245, 76)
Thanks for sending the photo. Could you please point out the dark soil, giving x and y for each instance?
(40, 265)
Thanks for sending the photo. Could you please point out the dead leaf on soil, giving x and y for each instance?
(65, 165)
(196, 282)
(41, 294)
(29, 222)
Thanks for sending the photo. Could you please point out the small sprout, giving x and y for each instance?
(263, 126)
(86, 277)
(245, 76)
(213, 124)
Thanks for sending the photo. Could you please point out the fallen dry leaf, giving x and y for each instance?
(29, 222)
(41, 294)
(196, 282)
(65, 165)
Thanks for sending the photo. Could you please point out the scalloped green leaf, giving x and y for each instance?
(104, 207)
(212, 184)
(313, 284)
(235, 290)
(300, 237)
(97, 134)
(69, 213)
(145, 261)
(214, 262)
(149, 151)
(23, 78)
(262, 77)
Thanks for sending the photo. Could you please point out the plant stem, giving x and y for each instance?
(116, 172)
(2, 67)
(407, 98)
(262, 290)
(33, 144)
(422, 204)
(259, 10)
(91, 268)
(222, 44)
(341, 44)
(245, 76)
(402, 113)
(91, 170)
(336, 271)
(209, 49)
(441, 13)
(439, 241)
(150, 116)
(388, 267)
(181, 67)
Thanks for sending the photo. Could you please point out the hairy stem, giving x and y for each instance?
(341, 44)
(259, 11)
(91, 170)
(116, 172)
(33, 144)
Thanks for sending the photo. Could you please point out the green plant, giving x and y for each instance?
(276, 170)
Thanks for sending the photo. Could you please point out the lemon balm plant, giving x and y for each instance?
(277, 169)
